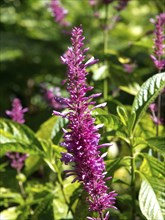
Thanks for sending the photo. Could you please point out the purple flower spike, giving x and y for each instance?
(159, 45)
(59, 12)
(82, 138)
(17, 112)
(17, 160)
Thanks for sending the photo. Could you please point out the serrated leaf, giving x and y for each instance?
(132, 88)
(19, 138)
(148, 92)
(52, 129)
(111, 122)
(151, 197)
(152, 166)
(157, 143)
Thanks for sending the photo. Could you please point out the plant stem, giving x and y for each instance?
(101, 216)
(21, 187)
(106, 29)
(133, 183)
(158, 115)
(105, 81)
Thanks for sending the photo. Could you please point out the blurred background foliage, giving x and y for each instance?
(32, 43)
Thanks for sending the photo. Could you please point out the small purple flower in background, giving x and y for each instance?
(17, 112)
(129, 67)
(82, 138)
(17, 160)
(58, 12)
(153, 108)
(17, 115)
(52, 96)
(93, 2)
(159, 45)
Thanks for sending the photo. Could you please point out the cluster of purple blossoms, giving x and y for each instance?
(17, 114)
(52, 96)
(17, 160)
(129, 67)
(159, 45)
(82, 138)
(58, 12)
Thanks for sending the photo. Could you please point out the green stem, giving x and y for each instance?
(133, 183)
(158, 115)
(106, 29)
(105, 81)
(21, 187)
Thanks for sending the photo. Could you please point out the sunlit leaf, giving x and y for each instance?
(18, 137)
(151, 195)
(10, 214)
(52, 129)
(148, 92)
(152, 166)
(151, 198)
(157, 143)
(110, 121)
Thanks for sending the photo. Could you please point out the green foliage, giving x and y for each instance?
(18, 137)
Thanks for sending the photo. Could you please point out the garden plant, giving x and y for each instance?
(82, 127)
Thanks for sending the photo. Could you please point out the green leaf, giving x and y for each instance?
(45, 208)
(100, 72)
(151, 197)
(148, 92)
(113, 165)
(79, 214)
(132, 88)
(152, 166)
(111, 122)
(32, 164)
(11, 196)
(10, 214)
(52, 129)
(158, 144)
(122, 114)
(18, 137)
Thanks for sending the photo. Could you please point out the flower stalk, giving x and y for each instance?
(81, 139)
